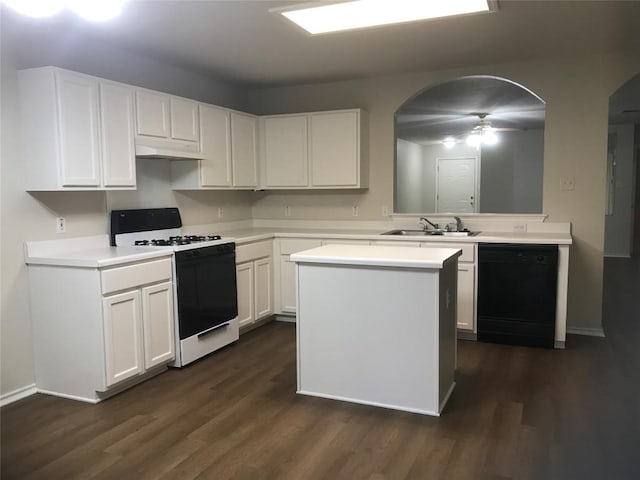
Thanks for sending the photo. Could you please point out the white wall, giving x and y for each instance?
(619, 225)
(30, 216)
(576, 91)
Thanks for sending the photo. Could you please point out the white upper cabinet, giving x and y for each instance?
(244, 150)
(334, 148)
(215, 145)
(323, 150)
(285, 151)
(77, 131)
(185, 124)
(117, 127)
(228, 150)
(152, 114)
(164, 116)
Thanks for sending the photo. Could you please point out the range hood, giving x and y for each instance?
(167, 149)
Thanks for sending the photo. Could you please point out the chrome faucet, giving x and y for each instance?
(426, 220)
(459, 226)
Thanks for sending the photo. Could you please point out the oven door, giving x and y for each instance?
(206, 284)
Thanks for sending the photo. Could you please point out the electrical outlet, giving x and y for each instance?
(354, 210)
(385, 211)
(61, 225)
(220, 212)
(567, 183)
(287, 211)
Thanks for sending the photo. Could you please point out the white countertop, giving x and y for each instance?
(377, 256)
(88, 252)
(95, 252)
(255, 234)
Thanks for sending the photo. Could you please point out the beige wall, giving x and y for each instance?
(576, 92)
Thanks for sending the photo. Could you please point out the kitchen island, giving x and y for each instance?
(377, 325)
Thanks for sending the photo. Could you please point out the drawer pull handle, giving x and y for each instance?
(213, 329)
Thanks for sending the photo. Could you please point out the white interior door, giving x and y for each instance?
(456, 185)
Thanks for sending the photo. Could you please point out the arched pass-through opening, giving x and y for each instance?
(494, 124)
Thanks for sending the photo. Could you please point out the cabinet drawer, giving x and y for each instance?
(468, 249)
(252, 251)
(130, 276)
(294, 245)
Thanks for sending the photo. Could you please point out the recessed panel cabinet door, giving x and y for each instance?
(157, 322)
(466, 281)
(287, 285)
(243, 148)
(152, 114)
(185, 124)
(215, 144)
(263, 271)
(244, 279)
(77, 98)
(117, 128)
(286, 157)
(334, 149)
(122, 336)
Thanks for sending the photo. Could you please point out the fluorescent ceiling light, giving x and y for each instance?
(91, 10)
(96, 10)
(35, 8)
(318, 18)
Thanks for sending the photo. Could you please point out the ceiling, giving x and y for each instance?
(240, 41)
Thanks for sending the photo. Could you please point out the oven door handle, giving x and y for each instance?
(212, 329)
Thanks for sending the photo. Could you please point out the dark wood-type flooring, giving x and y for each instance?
(517, 412)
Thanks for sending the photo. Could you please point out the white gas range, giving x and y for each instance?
(205, 295)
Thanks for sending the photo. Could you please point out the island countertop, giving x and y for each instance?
(377, 256)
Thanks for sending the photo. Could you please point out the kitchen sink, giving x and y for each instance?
(430, 233)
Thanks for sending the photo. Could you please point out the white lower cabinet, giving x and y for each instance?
(466, 313)
(109, 329)
(254, 277)
(286, 297)
(122, 336)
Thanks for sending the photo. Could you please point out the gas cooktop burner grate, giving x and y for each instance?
(177, 240)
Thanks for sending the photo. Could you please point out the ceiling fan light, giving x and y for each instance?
(35, 8)
(489, 137)
(474, 140)
(449, 142)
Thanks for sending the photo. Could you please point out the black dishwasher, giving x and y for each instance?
(517, 293)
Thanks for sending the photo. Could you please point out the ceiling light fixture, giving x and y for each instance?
(91, 10)
(449, 142)
(318, 18)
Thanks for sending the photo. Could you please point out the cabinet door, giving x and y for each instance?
(184, 120)
(77, 98)
(286, 158)
(334, 149)
(466, 282)
(245, 285)
(117, 131)
(215, 144)
(157, 323)
(243, 148)
(122, 336)
(263, 286)
(287, 285)
(344, 241)
(152, 114)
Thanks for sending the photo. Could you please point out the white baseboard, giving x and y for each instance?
(591, 332)
(18, 394)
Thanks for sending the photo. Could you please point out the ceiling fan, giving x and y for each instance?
(485, 125)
